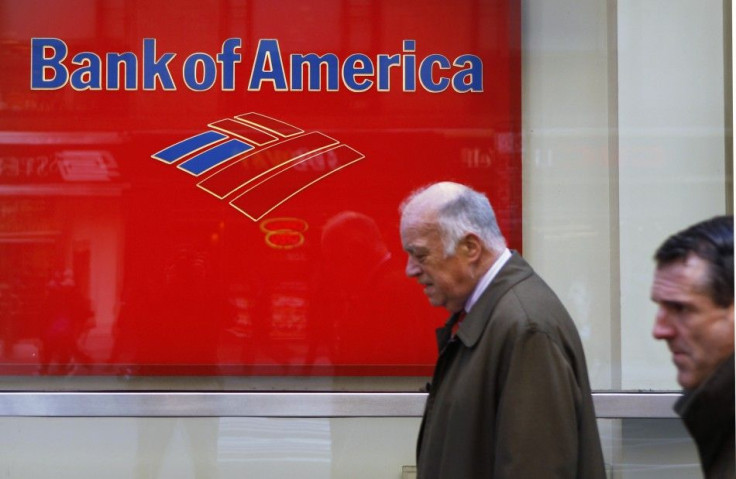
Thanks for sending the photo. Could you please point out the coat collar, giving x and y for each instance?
(708, 412)
(472, 327)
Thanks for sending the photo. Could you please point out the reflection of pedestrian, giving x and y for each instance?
(374, 310)
(510, 396)
(693, 290)
(174, 318)
(188, 318)
(9, 309)
(66, 317)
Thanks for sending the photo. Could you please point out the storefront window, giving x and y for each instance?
(203, 197)
(225, 205)
(619, 137)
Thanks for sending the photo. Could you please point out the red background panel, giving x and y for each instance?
(113, 262)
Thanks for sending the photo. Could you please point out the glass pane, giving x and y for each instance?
(612, 134)
(272, 447)
(207, 448)
(649, 449)
(225, 203)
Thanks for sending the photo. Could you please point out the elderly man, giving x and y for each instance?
(693, 289)
(510, 396)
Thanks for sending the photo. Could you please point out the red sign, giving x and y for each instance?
(213, 188)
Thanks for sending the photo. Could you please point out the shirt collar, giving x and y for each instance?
(487, 278)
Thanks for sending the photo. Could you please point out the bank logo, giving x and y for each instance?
(256, 163)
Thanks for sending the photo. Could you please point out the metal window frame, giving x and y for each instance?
(608, 405)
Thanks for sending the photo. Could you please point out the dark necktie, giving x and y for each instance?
(447, 333)
(458, 318)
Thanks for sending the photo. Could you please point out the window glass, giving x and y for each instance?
(600, 129)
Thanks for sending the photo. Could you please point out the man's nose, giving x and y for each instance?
(412, 268)
(663, 328)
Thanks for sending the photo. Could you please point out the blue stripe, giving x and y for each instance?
(214, 156)
(185, 147)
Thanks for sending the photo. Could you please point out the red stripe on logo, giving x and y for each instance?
(252, 135)
(267, 195)
(283, 129)
(270, 159)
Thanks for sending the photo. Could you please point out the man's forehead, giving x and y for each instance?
(419, 234)
(415, 214)
(684, 276)
(420, 226)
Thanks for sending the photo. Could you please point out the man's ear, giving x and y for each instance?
(471, 246)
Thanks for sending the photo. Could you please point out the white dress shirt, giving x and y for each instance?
(487, 278)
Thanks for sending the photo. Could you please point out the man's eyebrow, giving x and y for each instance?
(414, 249)
(672, 303)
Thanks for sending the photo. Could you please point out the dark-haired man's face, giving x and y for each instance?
(699, 333)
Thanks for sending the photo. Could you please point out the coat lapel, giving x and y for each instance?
(472, 327)
(444, 334)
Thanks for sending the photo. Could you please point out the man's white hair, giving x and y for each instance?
(457, 210)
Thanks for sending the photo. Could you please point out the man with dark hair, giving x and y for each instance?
(510, 396)
(693, 288)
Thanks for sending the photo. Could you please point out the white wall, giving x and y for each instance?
(623, 124)
(672, 154)
(568, 235)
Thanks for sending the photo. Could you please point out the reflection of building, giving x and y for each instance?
(60, 201)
